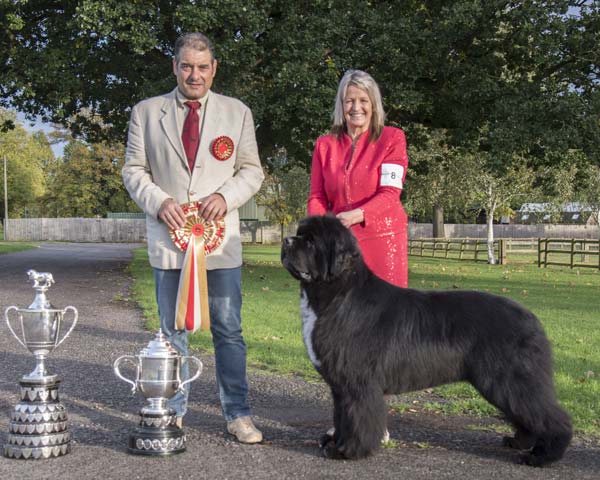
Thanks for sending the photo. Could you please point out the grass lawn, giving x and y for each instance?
(566, 301)
(14, 247)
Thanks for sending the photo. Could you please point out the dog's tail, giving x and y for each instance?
(550, 443)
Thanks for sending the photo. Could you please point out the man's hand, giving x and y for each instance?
(172, 214)
(213, 207)
(351, 217)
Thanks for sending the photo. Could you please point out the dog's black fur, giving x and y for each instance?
(371, 338)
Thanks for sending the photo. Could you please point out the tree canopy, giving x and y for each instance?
(518, 75)
(87, 182)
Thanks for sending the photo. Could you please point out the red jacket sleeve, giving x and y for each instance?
(318, 204)
(387, 196)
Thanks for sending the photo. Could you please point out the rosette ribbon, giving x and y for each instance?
(197, 239)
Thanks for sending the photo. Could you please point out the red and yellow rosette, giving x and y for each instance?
(197, 239)
(222, 148)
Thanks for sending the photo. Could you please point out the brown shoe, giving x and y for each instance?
(244, 430)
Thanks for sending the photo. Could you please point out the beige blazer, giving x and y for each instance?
(156, 168)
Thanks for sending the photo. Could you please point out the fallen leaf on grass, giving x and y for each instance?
(272, 337)
(422, 444)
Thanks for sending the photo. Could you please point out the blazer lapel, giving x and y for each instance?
(208, 132)
(171, 128)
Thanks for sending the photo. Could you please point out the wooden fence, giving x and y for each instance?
(571, 253)
(521, 245)
(473, 249)
(130, 230)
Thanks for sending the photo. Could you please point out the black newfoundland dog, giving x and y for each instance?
(368, 338)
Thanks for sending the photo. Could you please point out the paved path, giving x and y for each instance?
(291, 412)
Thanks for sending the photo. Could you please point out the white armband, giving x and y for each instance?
(391, 175)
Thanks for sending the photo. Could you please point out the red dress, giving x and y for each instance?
(369, 177)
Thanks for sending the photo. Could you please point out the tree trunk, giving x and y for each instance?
(252, 226)
(490, 236)
(438, 221)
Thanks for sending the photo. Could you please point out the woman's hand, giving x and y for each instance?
(351, 217)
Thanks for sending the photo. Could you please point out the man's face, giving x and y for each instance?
(194, 72)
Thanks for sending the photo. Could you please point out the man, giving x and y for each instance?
(171, 160)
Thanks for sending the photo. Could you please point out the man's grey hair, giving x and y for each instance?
(365, 82)
(195, 40)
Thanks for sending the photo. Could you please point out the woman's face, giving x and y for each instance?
(358, 110)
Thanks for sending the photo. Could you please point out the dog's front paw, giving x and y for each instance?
(325, 439)
(329, 448)
(511, 442)
(331, 451)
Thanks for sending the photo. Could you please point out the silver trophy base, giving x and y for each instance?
(35, 453)
(38, 427)
(157, 434)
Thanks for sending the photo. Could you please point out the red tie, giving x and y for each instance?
(190, 136)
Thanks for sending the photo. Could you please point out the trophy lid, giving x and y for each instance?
(159, 347)
(42, 281)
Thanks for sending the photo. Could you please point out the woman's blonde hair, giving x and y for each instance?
(365, 82)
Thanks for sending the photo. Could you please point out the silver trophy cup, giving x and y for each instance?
(158, 379)
(38, 427)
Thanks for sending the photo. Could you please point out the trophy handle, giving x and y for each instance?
(118, 372)
(9, 325)
(196, 375)
(72, 325)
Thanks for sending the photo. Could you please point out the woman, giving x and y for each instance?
(358, 171)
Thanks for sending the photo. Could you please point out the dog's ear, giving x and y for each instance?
(342, 263)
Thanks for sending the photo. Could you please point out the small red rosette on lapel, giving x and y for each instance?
(197, 239)
(222, 148)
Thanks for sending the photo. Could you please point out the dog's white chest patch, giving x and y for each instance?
(308, 324)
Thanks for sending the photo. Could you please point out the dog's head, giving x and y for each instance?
(322, 250)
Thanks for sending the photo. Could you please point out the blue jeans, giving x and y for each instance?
(225, 303)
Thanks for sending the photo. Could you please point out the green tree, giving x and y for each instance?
(560, 179)
(495, 185)
(26, 155)
(284, 192)
(436, 179)
(87, 182)
(526, 69)
(590, 194)
(499, 77)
